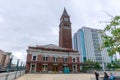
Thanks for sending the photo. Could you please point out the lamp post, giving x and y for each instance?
(9, 65)
(103, 66)
(112, 67)
(21, 65)
(17, 68)
(24, 67)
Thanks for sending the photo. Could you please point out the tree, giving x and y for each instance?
(94, 65)
(111, 36)
(114, 64)
(97, 66)
(88, 67)
(109, 65)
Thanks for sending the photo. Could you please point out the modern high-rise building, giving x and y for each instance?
(87, 42)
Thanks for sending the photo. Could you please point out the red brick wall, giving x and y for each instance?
(60, 59)
(29, 57)
(65, 38)
(78, 68)
(69, 59)
(50, 67)
(60, 67)
(38, 67)
(78, 59)
(50, 58)
(39, 58)
(28, 67)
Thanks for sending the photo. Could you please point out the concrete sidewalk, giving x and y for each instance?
(56, 77)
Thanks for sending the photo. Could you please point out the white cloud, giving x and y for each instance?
(36, 22)
(1, 19)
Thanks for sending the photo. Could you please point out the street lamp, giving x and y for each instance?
(24, 66)
(17, 68)
(103, 66)
(21, 65)
(9, 65)
(112, 67)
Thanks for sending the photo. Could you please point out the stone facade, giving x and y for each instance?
(56, 59)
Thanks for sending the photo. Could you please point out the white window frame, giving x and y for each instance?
(64, 59)
(45, 58)
(32, 57)
(56, 59)
(44, 69)
(31, 66)
(75, 59)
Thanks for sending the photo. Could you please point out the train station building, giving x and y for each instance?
(53, 58)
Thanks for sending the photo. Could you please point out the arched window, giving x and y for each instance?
(45, 58)
(65, 59)
(55, 58)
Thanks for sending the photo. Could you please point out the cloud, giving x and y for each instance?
(36, 22)
(1, 19)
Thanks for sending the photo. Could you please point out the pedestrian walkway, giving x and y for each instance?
(56, 77)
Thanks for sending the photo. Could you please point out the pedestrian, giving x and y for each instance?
(112, 77)
(96, 75)
(106, 77)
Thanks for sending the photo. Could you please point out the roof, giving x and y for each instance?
(52, 47)
(65, 12)
(8, 53)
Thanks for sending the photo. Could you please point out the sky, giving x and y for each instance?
(26, 23)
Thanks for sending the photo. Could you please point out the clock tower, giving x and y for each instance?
(65, 38)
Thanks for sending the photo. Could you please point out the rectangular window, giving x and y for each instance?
(44, 67)
(33, 65)
(34, 58)
(74, 60)
(54, 59)
(45, 58)
(64, 59)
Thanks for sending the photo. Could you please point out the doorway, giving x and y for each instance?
(74, 68)
(33, 68)
(44, 67)
(55, 68)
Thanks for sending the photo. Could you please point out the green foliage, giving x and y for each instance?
(95, 65)
(111, 36)
(89, 61)
(109, 66)
(114, 64)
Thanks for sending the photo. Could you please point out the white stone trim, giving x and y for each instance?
(34, 55)
(31, 66)
(75, 68)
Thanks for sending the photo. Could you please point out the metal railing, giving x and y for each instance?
(11, 75)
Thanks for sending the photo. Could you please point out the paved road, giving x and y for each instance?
(56, 77)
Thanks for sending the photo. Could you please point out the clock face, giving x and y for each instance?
(66, 19)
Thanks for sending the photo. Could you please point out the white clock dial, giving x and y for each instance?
(66, 19)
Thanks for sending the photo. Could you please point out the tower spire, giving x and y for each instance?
(65, 12)
(65, 33)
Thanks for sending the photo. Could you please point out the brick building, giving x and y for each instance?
(52, 58)
(4, 58)
(65, 38)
